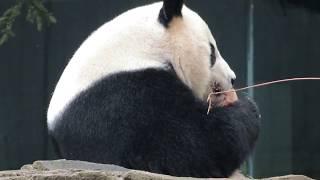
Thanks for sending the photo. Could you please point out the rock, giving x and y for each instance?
(71, 164)
(74, 170)
(289, 177)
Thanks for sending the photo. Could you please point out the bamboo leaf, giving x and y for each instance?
(36, 13)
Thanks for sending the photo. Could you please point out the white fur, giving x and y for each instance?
(136, 40)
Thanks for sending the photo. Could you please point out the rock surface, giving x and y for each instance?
(74, 170)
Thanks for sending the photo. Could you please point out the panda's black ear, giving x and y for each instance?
(170, 9)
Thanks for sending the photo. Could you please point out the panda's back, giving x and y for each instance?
(109, 50)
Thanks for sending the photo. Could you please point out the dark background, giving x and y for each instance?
(286, 44)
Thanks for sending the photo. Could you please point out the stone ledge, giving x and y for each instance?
(74, 170)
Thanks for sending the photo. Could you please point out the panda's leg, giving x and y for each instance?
(238, 126)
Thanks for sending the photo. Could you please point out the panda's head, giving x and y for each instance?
(193, 49)
(151, 36)
(169, 32)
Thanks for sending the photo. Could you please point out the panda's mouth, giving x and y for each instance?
(216, 87)
(214, 98)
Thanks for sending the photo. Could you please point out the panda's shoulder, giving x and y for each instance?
(154, 82)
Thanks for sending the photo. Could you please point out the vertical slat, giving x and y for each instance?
(250, 67)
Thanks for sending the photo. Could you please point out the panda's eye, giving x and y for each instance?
(213, 55)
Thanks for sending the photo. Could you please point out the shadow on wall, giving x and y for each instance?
(309, 4)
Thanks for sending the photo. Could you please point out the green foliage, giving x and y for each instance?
(7, 20)
(36, 13)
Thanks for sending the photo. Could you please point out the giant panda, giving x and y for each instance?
(134, 94)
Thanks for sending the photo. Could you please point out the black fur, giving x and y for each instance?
(170, 9)
(149, 120)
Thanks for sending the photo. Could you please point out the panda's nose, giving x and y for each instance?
(233, 80)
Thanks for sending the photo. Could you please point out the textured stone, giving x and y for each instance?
(289, 177)
(75, 170)
(71, 164)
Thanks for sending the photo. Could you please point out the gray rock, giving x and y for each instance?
(75, 170)
(71, 164)
(289, 177)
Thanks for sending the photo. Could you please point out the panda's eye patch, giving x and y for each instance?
(213, 55)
